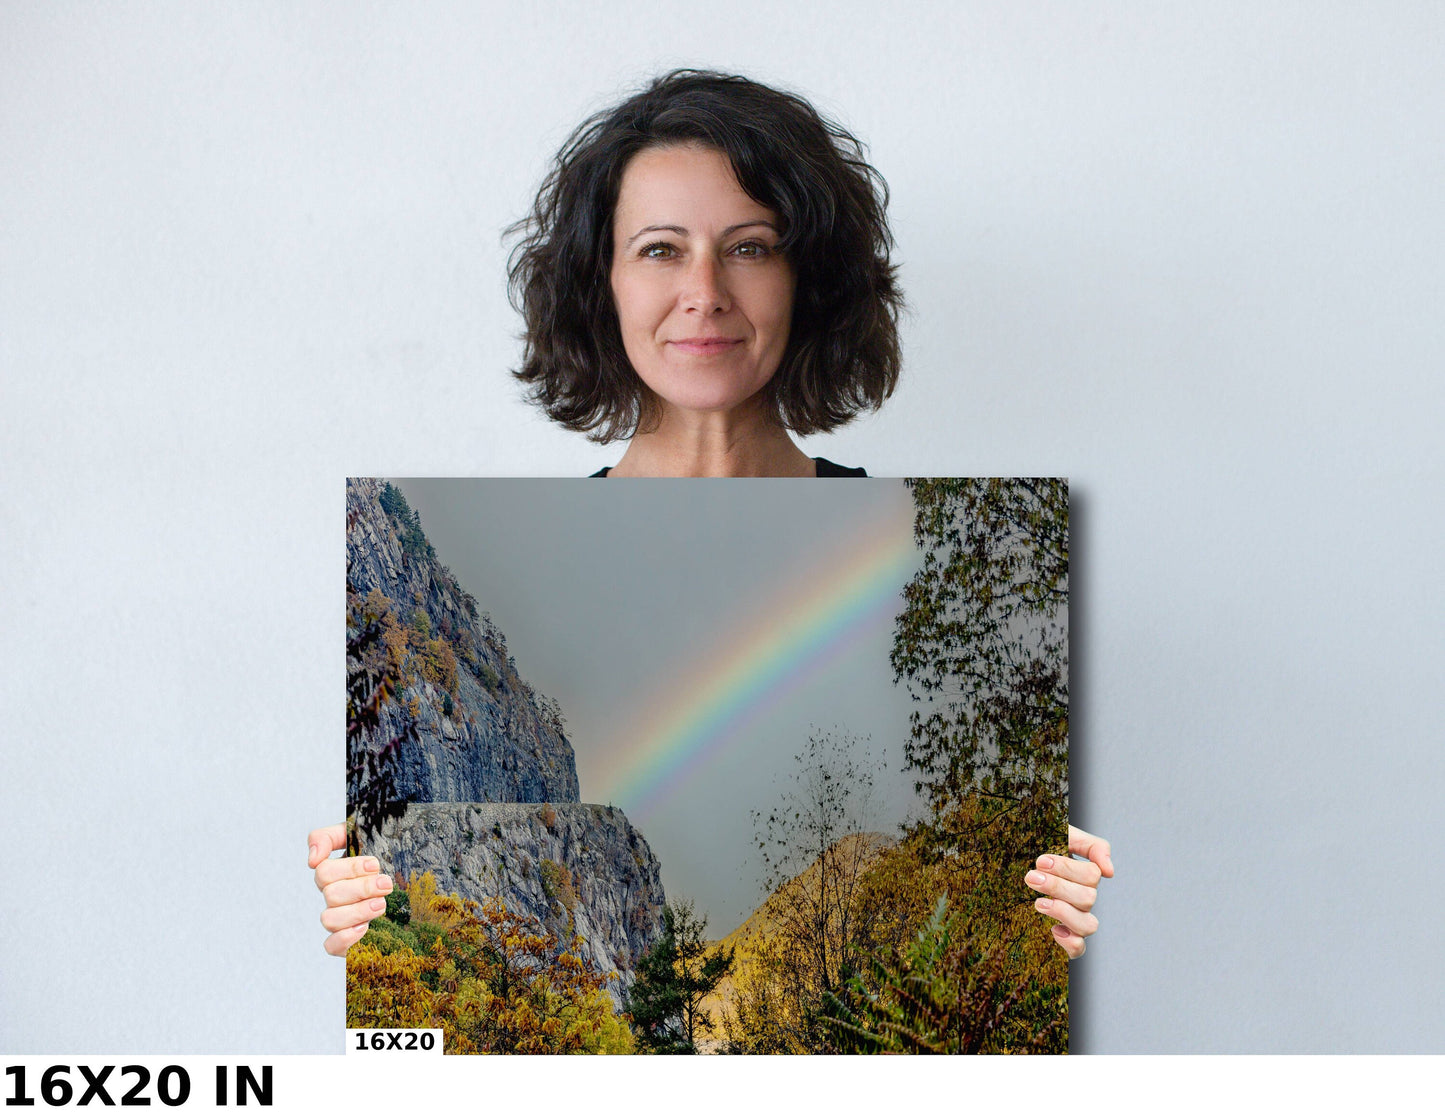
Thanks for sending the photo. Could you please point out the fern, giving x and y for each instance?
(939, 995)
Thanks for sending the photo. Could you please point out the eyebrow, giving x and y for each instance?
(680, 231)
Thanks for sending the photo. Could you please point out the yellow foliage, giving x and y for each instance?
(385, 990)
(436, 662)
(601, 1031)
(771, 1001)
(492, 980)
(411, 650)
(428, 906)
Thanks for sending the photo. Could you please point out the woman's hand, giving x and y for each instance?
(354, 887)
(1070, 888)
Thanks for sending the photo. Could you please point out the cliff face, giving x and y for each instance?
(486, 737)
(483, 761)
(580, 868)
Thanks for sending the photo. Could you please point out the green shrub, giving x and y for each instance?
(425, 936)
(486, 676)
(389, 937)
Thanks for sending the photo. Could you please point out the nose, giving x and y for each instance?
(705, 287)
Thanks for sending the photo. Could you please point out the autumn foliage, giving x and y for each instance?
(932, 944)
(494, 981)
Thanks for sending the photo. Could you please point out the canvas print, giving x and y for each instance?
(718, 767)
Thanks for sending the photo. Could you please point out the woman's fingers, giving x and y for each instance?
(323, 842)
(1095, 848)
(1070, 888)
(346, 916)
(1073, 944)
(352, 890)
(341, 868)
(1070, 868)
(1081, 923)
(354, 887)
(1058, 885)
(342, 941)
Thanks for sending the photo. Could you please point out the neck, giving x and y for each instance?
(740, 443)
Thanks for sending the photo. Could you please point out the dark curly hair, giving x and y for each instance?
(843, 353)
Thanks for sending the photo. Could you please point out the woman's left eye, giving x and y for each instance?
(751, 249)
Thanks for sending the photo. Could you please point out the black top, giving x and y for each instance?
(825, 469)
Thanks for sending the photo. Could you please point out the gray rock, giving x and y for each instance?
(506, 743)
(490, 778)
(579, 868)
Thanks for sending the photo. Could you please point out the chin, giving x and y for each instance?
(705, 397)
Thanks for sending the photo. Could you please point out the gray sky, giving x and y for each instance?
(618, 599)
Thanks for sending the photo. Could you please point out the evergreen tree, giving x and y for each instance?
(673, 978)
(407, 522)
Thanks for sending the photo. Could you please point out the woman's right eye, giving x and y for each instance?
(658, 250)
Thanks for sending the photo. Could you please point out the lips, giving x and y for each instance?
(704, 346)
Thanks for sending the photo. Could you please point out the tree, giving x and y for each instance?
(414, 543)
(493, 980)
(982, 645)
(819, 918)
(533, 997)
(654, 1003)
(673, 978)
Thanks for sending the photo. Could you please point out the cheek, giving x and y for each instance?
(636, 304)
(779, 312)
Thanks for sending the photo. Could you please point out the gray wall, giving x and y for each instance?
(1188, 256)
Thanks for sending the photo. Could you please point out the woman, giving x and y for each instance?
(706, 273)
(705, 270)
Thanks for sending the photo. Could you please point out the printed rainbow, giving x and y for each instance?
(803, 629)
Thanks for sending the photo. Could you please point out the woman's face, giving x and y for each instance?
(703, 296)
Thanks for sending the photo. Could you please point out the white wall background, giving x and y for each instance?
(1188, 255)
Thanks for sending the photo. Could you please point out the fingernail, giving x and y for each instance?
(1046, 862)
(378, 905)
(363, 929)
(1043, 903)
(371, 865)
(1036, 879)
(314, 851)
(383, 883)
(1060, 931)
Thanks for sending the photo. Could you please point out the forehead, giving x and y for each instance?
(683, 184)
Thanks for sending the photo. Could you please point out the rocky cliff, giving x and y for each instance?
(483, 759)
(580, 868)
(481, 732)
